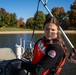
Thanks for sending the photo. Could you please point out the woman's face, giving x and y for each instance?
(50, 31)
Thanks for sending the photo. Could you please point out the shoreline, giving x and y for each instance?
(36, 32)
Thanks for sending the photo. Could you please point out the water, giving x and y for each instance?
(10, 41)
(72, 38)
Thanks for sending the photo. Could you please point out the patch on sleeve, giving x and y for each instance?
(52, 53)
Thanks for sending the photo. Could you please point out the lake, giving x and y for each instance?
(10, 40)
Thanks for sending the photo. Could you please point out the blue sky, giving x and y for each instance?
(27, 8)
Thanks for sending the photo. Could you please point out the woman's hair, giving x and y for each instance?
(50, 19)
(53, 20)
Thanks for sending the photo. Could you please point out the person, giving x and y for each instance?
(49, 53)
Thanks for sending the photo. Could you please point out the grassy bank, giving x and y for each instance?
(24, 30)
(17, 31)
(13, 29)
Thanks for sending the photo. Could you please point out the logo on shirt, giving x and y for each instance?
(52, 53)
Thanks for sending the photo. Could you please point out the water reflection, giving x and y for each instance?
(11, 39)
(72, 38)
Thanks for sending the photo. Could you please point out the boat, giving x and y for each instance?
(9, 61)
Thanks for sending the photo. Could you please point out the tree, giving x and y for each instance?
(2, 11)
(2, 16)
(39, 19)
(20, 22)
(7, 19)
(13, 21)
(72, 15)
(29, 23)
(62, 16)
(10, 19)
(58, 11)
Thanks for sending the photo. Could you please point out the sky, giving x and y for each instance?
(27, 8)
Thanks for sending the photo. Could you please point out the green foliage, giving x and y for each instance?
(62, 16)
(39, 19)
(58, 11)
(36, 21)
(67, 19)
(72, 15)
(13, 20)
(29, 23)
(7, 19)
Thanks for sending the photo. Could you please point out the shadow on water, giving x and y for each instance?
(72, 38)
(10, 41)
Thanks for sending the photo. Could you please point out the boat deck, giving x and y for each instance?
(7, 54)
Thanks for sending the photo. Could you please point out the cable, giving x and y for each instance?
(35, 20)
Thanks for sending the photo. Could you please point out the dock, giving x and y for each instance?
(7, 54)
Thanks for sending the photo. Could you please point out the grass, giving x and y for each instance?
(13, 29)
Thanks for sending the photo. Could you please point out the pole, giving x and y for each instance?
(59, 26)
(24, 44)
(46, 8)
(66, 37)
(21, 42)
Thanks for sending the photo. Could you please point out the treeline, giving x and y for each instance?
(10, 19)
(67, 19)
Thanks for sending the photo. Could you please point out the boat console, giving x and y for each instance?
(9, 67)
(9, 63)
